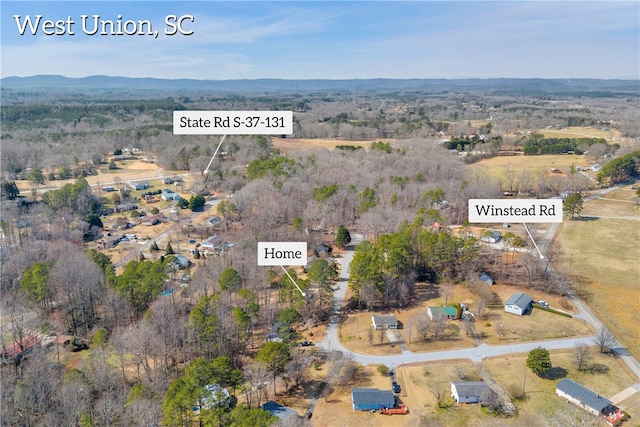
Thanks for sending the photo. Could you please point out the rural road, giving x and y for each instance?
(331, 341)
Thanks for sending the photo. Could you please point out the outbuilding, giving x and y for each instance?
(519, 303)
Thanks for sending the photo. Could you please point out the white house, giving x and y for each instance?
(519, 303)
(213, 243)
(384, 322)
(472, 392)
(588, 400)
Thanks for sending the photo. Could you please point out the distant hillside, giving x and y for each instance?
(578, 87)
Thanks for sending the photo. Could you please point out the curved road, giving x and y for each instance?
(331, 341)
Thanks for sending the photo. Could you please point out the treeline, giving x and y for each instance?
(13, 115)
(537, 144)
(621, 168)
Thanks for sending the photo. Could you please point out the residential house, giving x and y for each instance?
(152, 219)
(212, 244)
(491, 237)
(519, 303)
(19, 348)
(124, 207)
(137, 186)
(277, 410)
(182, 261)
(589, 400)
(384, 322)
(168, 195)
(447, 312)
(322, 249)
(370, 399)
(472, 392)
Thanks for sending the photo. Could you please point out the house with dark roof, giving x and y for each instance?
(519, 303)
(472, 392)
(589, 400)
(369, 399)
(446, 312)
(384, 322)
(486, 278)
(282, 412)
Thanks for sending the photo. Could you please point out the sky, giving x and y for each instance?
(324, 39)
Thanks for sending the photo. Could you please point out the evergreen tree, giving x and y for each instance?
(169, 250)
(573, 205)
(343, 237)
(539, 360)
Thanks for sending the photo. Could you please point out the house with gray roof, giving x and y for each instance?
(384, 322)
(472, 392)
(588, 400)
(519, 303)
(369, 399)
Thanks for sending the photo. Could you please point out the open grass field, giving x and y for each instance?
(603, 258)
(611, 135)
(539, 325)
(295, 144)
(128, 170)
(496, 167)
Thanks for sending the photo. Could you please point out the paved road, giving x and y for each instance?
(331, 341)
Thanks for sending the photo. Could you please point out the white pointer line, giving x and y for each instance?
(206, 171)
(534, 242)
(291, 278)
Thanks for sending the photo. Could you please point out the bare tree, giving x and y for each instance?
(446, 289)
(582, 355)
(604, 340)
(440, 392)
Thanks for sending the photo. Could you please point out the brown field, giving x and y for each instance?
(539, 325)
(611, 135)
(294, 144)
(496, 167)
(127, 170)
(605, 275)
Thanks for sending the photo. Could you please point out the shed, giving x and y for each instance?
(384, 322)
(369, 399)
(446, 312)
(519, 303)
(472, 392)
(486, 278)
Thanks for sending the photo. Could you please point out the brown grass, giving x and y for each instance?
(540, 399)
(539, 325)
(607, 275)
(296, 144)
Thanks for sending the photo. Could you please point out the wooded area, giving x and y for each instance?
(158, 355)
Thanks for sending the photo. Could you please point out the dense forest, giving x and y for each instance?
(154, 357)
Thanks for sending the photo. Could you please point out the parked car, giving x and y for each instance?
(306, 344)
(395, 387)
(543, 303)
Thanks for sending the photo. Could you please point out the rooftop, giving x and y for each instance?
(519, 299)
(588, 397)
